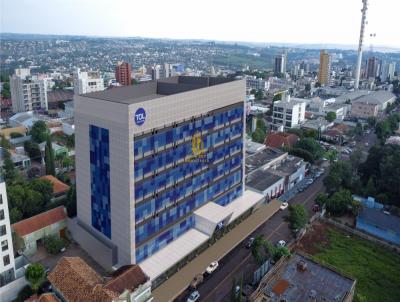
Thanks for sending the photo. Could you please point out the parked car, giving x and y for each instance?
(281, 243)
(195, 296)
(316, 208)
(212, 267)
(197, 280)
(284, 205)
(250, 243)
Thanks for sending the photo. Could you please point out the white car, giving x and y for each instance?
(284, 205)
(281, 243)
(212, 267)
(195, 296)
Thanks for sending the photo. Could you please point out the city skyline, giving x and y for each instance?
(340, 26)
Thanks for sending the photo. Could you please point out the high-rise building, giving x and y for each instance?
(154, 162)
(123, 72)
(280, 64)
(7, 263)
(324, 68)
(156, 72)
(28, 92)
(372, 70)
(87, 81)
(387, 71)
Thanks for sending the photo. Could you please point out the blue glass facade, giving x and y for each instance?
(100, 179)
(170, 184)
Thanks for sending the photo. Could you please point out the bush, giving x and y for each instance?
(25, 293)
(15, 135)
(53, 244)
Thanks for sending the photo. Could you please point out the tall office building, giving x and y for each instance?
(280, 64)
(372, 70)
(7, 263)
(156, 72)
(28, 92)
(123, 72)
(87, 81)
(159, 168)
(324, 68)
(387, 71)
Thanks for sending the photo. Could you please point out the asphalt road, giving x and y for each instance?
(239, 262)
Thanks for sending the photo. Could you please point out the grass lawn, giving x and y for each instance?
(376, 269)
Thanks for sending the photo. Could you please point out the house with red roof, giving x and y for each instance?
(281, 139)
(30, 232)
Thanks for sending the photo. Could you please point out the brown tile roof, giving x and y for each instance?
(58, 185)
(77, 281)
(281, 139)
(48, 297)
(127, 277)
(32, 298)
(38, 222)
(280, 287)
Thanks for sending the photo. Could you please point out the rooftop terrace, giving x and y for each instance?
(155, 89)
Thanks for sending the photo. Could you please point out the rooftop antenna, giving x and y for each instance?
(360, 42)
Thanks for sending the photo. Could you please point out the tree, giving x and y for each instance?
(339, 203)
(53, 244)
(261, 124)
(330, 116)
(16, 135)
(321, 199)
(44, 187)
(24, 294)
(10, 173)
(312, 146)
(256, 249)
(49, 158)
(259, 95)
(258, 136)
(32, 149)
(280, 252)
(331, 155)
(371, 121)
(71, 202)
(39, 132)
(35, 274)
(340, 176)
(382, 130)
(15, 215)
(298, 216)
(277, 97)
(358, 130)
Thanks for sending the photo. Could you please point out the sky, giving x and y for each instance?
(279, 21)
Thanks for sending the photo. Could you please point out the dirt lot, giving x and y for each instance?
(315, 238)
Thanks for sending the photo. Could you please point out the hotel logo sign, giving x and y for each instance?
(140, 117)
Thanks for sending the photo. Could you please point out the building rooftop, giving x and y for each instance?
(316, 124)
(281, 139)
(376, 97)
(299, 278)
(288, 166)
(262, 158)
(261, 180)
(155, 89)
(40, 221)
(76, 280)
(378, 218)
(60, 95)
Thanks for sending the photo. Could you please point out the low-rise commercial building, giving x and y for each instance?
(281, 139)
(288, 114)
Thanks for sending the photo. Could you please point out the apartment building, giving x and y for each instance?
(87, 81)
(28, 92)
(123, 72)
(149, 158)
(288, 114)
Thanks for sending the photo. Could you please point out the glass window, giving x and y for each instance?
(6, 260)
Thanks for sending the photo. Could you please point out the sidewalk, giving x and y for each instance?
(175, 285)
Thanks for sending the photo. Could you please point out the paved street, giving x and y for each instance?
(240, 261)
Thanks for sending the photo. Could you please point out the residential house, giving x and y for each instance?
(281, 139)
(73, 280)
(30, 232)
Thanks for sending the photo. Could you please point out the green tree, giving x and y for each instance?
(358, 130)
(331, 155)
(10, 173)
(277, 97)
(258, 136)
(44, 187)
(53, 244)
(71, 202)
(24, 294)
(298, 216)
(340, 202)
(5, 144)
(383, 130)
(5, 92)
(340, 176)
(279, 253)
(49, 158)
(330, 116)
(32, 149)
(35, 275)
(16, 135)
(371, 121)
(39, 132)
(312, 146)
(321, 199)
(15, 215)
(261, 125)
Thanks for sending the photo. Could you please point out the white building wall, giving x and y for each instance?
(7, 237)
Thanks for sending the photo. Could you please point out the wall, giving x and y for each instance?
(10, 291)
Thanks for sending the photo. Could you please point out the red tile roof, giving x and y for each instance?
(128, 277)
(38, 222)
(58, 185)
(48, 297)
(281, 139)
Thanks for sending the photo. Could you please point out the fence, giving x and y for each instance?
(362, 235)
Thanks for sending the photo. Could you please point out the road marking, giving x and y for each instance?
(228, 276)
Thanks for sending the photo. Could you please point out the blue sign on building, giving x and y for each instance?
(140, 117)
